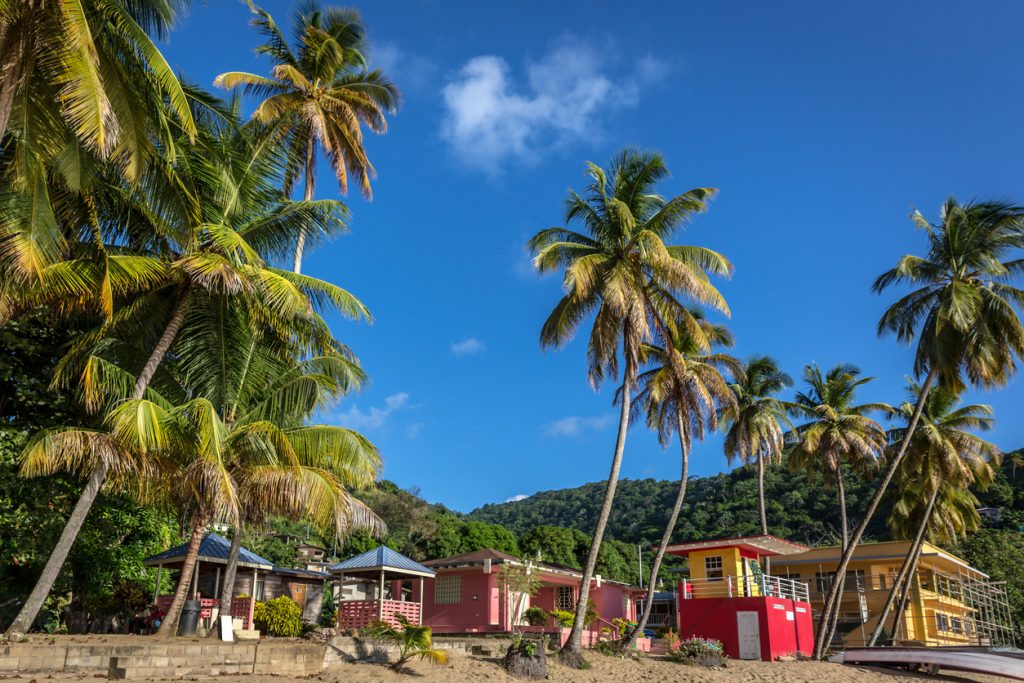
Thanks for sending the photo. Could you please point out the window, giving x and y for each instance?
(258, 589)
(448, 590)
(854, 580)
(713, 568)
(958, 625)
(565, 599)
(941, 622)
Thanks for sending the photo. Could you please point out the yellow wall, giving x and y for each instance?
(732, 566)
(879, 567)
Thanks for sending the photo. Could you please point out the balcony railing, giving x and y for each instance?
(362, 613)
(745, 587)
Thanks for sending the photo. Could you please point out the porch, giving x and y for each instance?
(383, 575)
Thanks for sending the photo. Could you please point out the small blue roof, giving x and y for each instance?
(214, 548)
(382, 558)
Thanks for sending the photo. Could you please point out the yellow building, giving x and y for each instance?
(951, 603)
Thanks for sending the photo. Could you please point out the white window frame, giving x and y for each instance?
(709, 567)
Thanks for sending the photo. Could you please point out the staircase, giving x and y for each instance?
(659, 646)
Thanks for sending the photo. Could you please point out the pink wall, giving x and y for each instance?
(470, 615)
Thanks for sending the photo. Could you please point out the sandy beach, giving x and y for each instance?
(464, 669)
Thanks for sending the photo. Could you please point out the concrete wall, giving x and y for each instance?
(478, 609)
(177, 658)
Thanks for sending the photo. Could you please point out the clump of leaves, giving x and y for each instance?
(695, 651)
(535, 616)
(411, 640)
(279, 617)
(563, 618)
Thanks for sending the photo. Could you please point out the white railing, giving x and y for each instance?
(745, 587)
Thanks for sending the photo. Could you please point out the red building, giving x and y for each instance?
(731, 596)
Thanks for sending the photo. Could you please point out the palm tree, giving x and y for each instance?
(687, 404)
(189, 228)
(320, 93)
(755, 430)
(942, 462)
(962, 316)
(839, 431)
(623, 274)
(90, 64)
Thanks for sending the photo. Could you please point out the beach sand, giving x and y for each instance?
(464, 669)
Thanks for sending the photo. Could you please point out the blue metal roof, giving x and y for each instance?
(382, 558)
(214, 548)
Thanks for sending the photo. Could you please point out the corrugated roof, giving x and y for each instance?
(475, 557)
(214, 548)
(382, 558)
(304, 573)
(763, 545)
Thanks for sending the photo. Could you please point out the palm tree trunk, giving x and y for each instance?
(904, 574)
(666, 537)
(843, 523)
(572, 653)
(901, 608)
(30, 610)
(830, 611)
(760, 493)
(228, 587)
(310, 189)
(170, 623)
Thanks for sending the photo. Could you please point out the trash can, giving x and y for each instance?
(189, 618)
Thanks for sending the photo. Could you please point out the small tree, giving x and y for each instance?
(518, 581)
(411, 641)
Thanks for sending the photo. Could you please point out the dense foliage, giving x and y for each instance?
(278, 617)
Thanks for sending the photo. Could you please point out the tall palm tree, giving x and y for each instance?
(839, 431)
(91, 64)
(621, 272)
(963, 317)
(755, 431)
(685, 398)
(323, 92)
(942, 462)
(194, 227)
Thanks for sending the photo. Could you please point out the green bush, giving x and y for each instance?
(279, 617)
(535, 616)
(563, 618)
(700, 652)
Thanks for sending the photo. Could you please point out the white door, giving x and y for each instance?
(748, 628)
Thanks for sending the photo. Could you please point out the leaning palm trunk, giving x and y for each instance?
(30, 610)
(841, 491)
(572, 652)
(901, 608)
(760, 493)
(170, 623)
(310, 188)
(227, 589)
(666, 537)
(904, 574)
(830, 611)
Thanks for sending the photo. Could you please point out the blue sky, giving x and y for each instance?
(822, 124)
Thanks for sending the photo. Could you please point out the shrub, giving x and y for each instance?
(535, 616)
(563, 618)
(699, 652)
(278, 617)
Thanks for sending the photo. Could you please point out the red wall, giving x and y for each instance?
(780, 636)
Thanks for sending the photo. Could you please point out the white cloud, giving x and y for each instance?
(468, 347)
(409, 72)
(490, 118)
(574, 426)
(375, 417)
(516, 498)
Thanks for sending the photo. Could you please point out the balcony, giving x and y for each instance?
(362, 613)
(745, 587)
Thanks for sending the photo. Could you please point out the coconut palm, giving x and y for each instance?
(321, 93)
(839, 431)
(687, 403)
(621, 272)
(755, 430)
(194, 227)
(942, 462)
(92, 65)
(963, 317)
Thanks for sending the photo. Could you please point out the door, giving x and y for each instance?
(748, 628)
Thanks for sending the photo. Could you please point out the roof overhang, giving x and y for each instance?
(205, 559)
(761, 545)
(387, 569)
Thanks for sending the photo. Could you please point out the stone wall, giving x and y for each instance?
(174, 658)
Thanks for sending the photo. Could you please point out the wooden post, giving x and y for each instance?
(380, 602)
(195, 580)
(216, 585)
(421, 601)
(159, 575)
(255, 575)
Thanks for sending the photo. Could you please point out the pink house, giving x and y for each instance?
(465, 596)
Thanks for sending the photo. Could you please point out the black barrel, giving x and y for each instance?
(189, 618)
